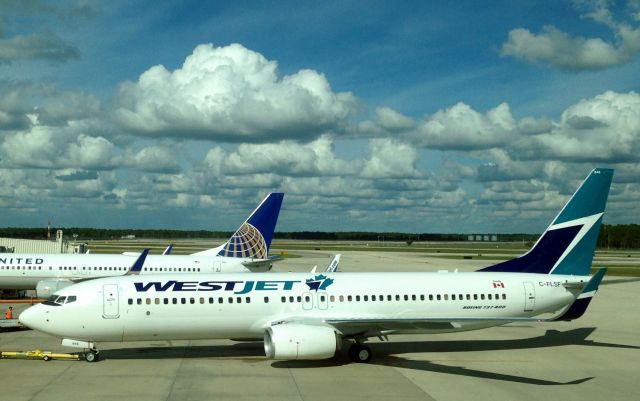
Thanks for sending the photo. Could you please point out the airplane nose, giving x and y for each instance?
(31, 317)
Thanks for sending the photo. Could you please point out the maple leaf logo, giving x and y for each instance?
(319, 282)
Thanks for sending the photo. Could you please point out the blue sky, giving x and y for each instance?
(384, 116)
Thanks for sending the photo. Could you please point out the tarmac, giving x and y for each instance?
(595, 357)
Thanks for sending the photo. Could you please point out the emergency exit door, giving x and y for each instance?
(110, 302)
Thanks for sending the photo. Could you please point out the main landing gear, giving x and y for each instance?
(359, 353)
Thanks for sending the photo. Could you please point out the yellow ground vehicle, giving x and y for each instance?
(37, 354)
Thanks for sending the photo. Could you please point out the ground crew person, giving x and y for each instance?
(8, 314)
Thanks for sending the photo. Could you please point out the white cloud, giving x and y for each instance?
(561, 50)
(286, 158)
(390, 159)
(230, 93)
(605, 128)
(462, 128)
(55, 147)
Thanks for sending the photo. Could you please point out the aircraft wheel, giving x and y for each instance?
(91, 356)
(360, 353)
(46, 358)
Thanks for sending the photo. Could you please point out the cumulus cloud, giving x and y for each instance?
(390, 159)
(230, 93)
(605, 128)
(47, 147)
(563, 51)
(285, 158)
(462, 128)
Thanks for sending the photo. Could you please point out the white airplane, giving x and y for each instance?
(246, 250)
(310, 316)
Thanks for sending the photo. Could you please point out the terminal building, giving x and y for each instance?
(15, 245)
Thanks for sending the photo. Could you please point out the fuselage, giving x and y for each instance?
(205, 306)
(25, 271)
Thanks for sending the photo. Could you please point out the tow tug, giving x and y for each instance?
(38, 354)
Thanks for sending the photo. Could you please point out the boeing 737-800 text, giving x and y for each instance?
(246, 250)
(310, 316)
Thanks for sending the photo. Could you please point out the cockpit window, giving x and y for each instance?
(57, 300)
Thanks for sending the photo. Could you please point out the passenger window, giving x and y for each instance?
(291, 299)
(201, 300)
(210, 300)
(299, 298)
(230, 300)
(349, 298)
(453, 297)
(373, 297)
(148, 301)
(220, 300)
(331, 298)
(183, 301)
(157, 301)
(482, 296)
(166, 301)
(475, 297)
(307, 298)
(139, 301)
(192, 301)
(357, 298)
(174, 301)
(406, 297)
(489, 296)
(413, 297)
(365, 298)
(438, 297)
(322, 298)
(283, 299)
(389, 298)
(397, 297)
(239, 300)
(248, 300)
(468, 297)
(341, 298)
(422, 297)
(130, 301)
(266, 300)
(504, 296)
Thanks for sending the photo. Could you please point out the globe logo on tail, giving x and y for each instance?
(247, 242)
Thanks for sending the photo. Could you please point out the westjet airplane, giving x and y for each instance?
(246, 250)
(311, 316)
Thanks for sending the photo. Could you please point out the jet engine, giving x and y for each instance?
(46, 288)
(300, 341)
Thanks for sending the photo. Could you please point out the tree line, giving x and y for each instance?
(622, 236)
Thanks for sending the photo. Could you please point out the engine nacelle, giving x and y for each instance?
(300, 341)
(46, 288)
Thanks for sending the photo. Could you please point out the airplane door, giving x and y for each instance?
(110, 305)
(529, 296)
(323, 300)
(307, 301)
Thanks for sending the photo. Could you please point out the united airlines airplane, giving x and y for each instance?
(311, 316)
(246, 250)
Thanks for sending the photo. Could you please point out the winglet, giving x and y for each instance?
(579, 306)
(333, 266)
(136, 268)
(168, 250)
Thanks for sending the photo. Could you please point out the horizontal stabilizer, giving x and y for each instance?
(580, 305)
